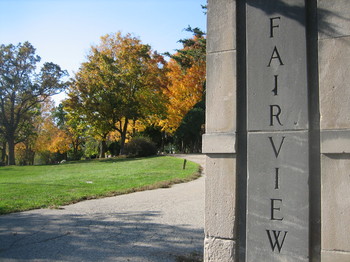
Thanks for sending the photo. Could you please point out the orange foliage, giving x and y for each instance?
(51, 138)
(184, 91)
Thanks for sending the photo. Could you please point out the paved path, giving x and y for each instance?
(156, 225)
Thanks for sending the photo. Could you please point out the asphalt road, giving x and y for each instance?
(157, 225)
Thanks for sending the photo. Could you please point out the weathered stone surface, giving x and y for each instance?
(216, 250)
(276, 66)
(334, 81)
(221, 25)
(221, 93)
(335, 202)
(333, 18)
(220, 199)
(335, 141)
(219, 143)
(331, 256)
(219, 140)
(278, 196)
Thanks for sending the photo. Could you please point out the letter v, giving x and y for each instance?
(277, 152)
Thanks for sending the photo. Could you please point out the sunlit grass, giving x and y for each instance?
(30, 187)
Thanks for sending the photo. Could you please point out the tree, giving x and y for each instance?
(21, 89)
(186, 79)
(2, 150)
(121, 82)
(73, 131)
(188, 137)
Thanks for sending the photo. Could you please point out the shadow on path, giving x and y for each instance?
(98, 237)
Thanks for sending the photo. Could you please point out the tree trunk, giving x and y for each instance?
(3, 153)
(11, 147)
(32, 159)
(123, 137)
(103, 149)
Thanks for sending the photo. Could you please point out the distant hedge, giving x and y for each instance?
(141, 146)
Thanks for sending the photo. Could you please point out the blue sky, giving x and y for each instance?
(62, 31)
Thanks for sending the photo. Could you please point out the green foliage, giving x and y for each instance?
(205, 8)
(60, 116)
(193, 51)
(91, 148)
(114, 148)
(156, 135)
(141, 146)
(29, 187)
(188, 137)
(47, 158)
(21, 91)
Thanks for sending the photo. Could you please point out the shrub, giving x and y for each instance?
(141, 146)
(114, 148)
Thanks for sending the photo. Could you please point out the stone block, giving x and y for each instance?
(276, 66)
(334, 82)
(216, 250)
(221, 93)
(334, 256)
(278, 196)
(219, 143)
(335, 141)
(221, 28)
(220, 199)
(335, 200)
(333, 18)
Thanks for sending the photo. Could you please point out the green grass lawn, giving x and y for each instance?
(30, 187)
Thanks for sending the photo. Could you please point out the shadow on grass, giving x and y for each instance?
(5, 168)
(125, 159)
(132, 236)
(109, 160)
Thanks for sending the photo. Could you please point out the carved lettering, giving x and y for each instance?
(275, 150)
(277, 178)
(272, 25)
(275, 111)
(275, 239)
(277, 185)
(274, 208)
(275, 90)
(275, 55)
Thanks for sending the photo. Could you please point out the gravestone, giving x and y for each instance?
(278, 131)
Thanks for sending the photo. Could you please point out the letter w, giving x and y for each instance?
(276, 241)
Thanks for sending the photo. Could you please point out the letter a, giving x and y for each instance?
(275, 150)
(275, 55)
(276, 241)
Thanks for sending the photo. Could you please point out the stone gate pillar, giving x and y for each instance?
(278, 131)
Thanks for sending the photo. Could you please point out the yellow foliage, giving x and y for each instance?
(134, 126)
(60, 143)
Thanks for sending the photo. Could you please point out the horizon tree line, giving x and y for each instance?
(124, 90)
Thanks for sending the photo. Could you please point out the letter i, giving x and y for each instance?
(277, 186)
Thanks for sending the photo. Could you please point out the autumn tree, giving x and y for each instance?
(186, 79)
(121, 82)
(73, 131)
(21, 89)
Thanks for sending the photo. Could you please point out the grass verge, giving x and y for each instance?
(31, 187)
